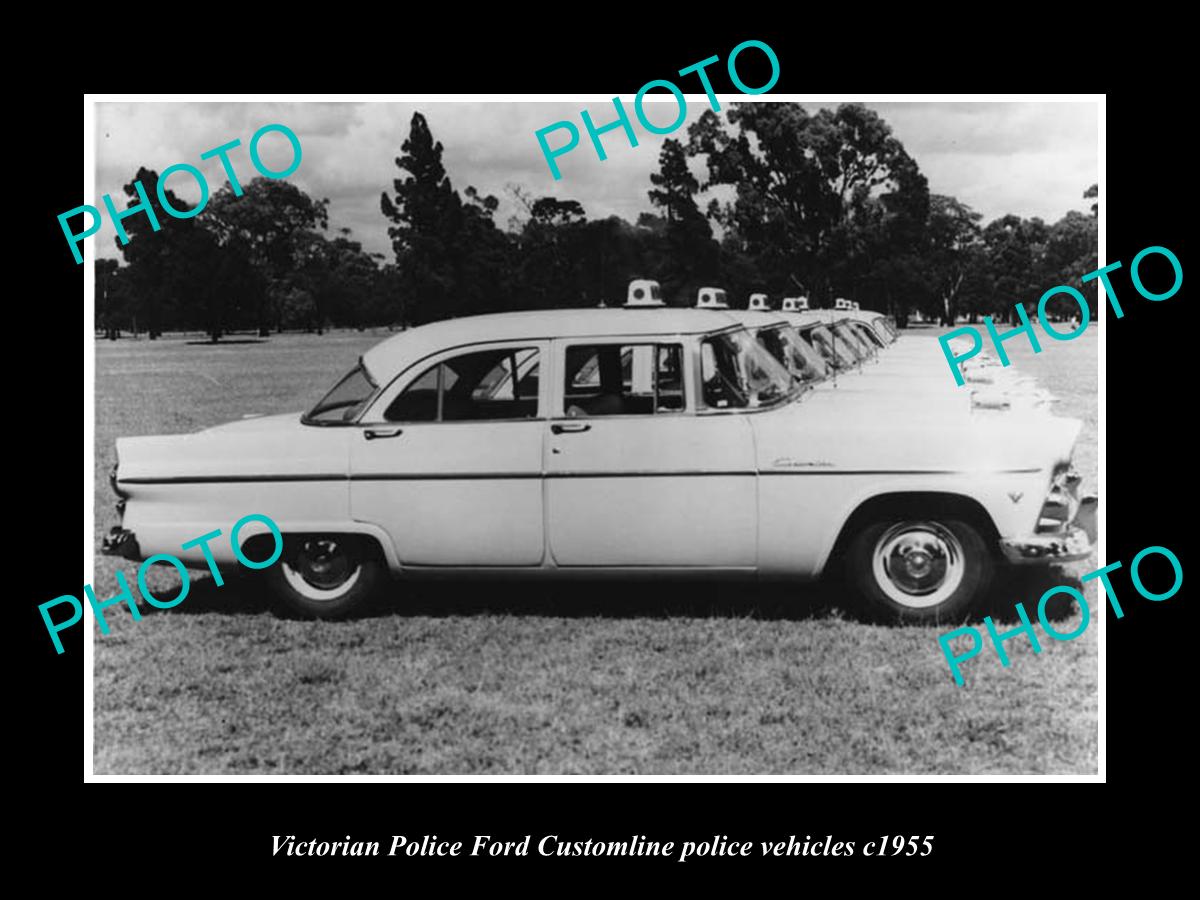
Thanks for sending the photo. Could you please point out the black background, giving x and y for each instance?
(216, 832)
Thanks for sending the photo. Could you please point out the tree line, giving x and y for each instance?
(827, 204)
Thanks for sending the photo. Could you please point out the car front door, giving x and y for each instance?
(449, 459)
(634, 477)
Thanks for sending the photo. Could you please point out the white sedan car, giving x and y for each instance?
(625, 441)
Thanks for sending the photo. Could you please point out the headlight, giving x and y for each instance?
(1062, 502)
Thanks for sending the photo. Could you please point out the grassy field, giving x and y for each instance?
(514, 678)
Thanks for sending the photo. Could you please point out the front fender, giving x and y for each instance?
(803, 516)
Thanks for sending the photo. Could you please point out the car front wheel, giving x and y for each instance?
(325, 576)
(919, 570)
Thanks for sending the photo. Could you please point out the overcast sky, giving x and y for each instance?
(1032, 159)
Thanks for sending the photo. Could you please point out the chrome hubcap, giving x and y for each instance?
(918, 564)
(322, 563)
(321, 568)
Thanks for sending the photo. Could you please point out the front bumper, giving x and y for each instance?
(120, 542)
(1073, 543)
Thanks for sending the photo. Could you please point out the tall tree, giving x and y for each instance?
(337, 283)
(181, 276)
(482, 256)
(955, 258)
(1014, 248)
(1071, 251)
(614, 252)
(686, 252)
(807, 186)
(551, 254)
(267, 225)
(110, 297)
(161, 263)
(426, 217)
(675, 185)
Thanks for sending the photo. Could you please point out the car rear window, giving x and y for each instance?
(500, 383)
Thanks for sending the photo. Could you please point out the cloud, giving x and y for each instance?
(1032, 159)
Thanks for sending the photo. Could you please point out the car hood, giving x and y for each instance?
(889, 395)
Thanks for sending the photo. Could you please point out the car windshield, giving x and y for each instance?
(867, 335)
(846, 334)
(885, 327)
(834, 351)
(346, 400)
(785, 344)
(738, 373)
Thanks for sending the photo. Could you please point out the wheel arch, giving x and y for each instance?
(375, 538)
(932, 504)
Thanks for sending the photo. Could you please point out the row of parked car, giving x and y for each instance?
(847, 338)
(639, 441)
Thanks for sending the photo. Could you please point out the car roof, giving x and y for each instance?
(820, 316)
(389, 357)
(796, 318)
(862, 315)
(756, 318)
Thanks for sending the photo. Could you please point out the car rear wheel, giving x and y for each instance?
(922, 571)
(325, 576)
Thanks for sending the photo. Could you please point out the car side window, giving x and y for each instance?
(623, 379)
(501, 383)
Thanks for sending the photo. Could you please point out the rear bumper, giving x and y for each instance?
(121, 542)
(1075, 542)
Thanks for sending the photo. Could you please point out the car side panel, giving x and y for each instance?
(179, 487)
(802, 512)
(454, 493)
(165, 516)
(653, 491)
(811, 478)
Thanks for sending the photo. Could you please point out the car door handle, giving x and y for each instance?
(372, 433)
(569, 427)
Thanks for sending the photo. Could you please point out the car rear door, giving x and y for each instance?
(634, 477)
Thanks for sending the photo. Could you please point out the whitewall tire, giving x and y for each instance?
(920, 570)
(325, 576)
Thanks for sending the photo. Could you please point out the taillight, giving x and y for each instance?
(112, 481)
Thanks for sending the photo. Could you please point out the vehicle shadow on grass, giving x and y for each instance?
(224, 342)
(1026, 585)
(659, 599)
(647, 599)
